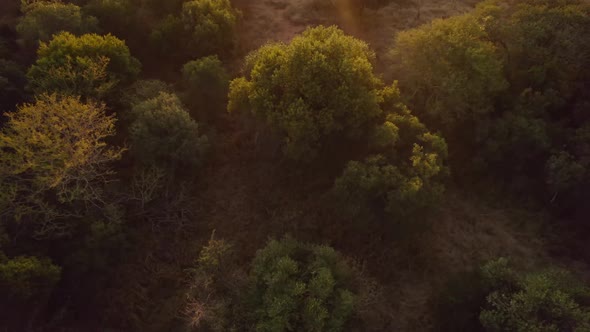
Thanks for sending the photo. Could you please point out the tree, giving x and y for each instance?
(403, 175)
(12, 85)
(545, 301)
(118, 17)
(143, 90)
(206, 82)
(210, 24)
(89, 65)
(24, 277)
(54, 160)
(321, 85)
(204, 27)
(451, 69)
(164, 134)
(43, 19)
(300, 287)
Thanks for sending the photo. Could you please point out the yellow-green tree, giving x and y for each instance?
(54, 159)
(319, 86)
(89, 65)
(43, 19)
(450, 69)
(404, 172)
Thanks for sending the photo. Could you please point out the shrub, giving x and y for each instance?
(300, 287)
(164, 134)
(320, 85)
(89, 65)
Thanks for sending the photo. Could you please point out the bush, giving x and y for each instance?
(43, 19)
(164, 134)
(300, 287)
(89, 65)
(23, 278)
(319, 86)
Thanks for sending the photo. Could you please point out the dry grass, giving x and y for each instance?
(281, 20)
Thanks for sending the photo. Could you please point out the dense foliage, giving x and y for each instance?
(301, 287)
(138, 127)
(54, 155)
(405, 175)
(501, 297)
(510, 82)
(206, 82)
(316, 89)
(43, 19)
(163, 134)
(90, 65)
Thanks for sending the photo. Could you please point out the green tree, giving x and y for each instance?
(546, 301)
(164, 134)
(451, 69)
(143, 90)
(55, 160)
(404, 172)
(206, 83)
(320, 85)
(23, 278)
(118, 17)
(89, 65)
(210, 24)
(43, 19)
(300, 287)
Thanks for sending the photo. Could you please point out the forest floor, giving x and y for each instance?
(247, 196)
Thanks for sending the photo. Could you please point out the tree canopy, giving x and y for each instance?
(54, 153)
(163, 133)
(90, 65)
(320, 85)
(43, 19)
(301, 287)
